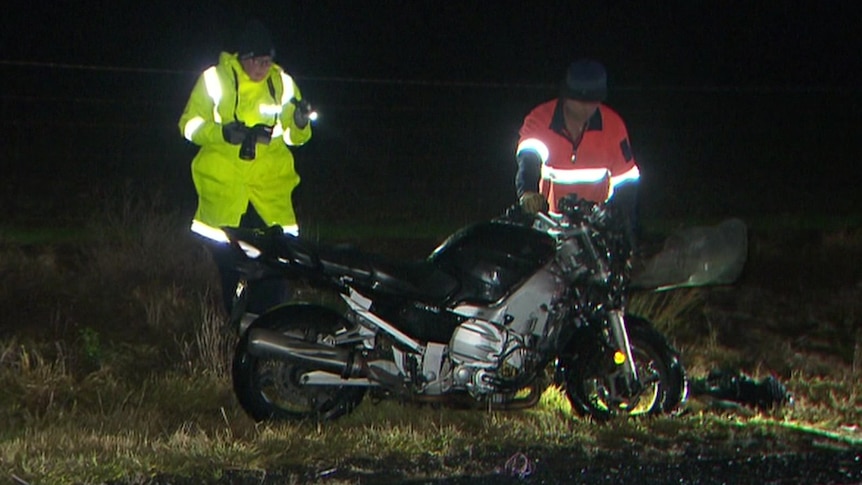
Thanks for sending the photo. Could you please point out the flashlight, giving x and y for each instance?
(304, 107)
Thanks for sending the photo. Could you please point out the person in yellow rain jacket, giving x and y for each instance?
(244, 113)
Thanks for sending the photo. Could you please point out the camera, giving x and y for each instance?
(257, 134)
(247, 151)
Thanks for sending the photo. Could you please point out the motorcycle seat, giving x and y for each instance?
(419, 280)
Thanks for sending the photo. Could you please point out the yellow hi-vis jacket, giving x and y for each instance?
(225, 183)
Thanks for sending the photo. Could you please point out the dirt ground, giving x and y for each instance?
(822, 467)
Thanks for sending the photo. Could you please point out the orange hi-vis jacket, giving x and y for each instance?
(601, 162)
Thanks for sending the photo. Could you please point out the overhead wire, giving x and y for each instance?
(702, 88)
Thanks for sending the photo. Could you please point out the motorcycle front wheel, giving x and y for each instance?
(270, 389)
(660, 372)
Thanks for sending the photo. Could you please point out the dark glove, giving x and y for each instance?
(529, 172)
(533, 202)
(303, 112)
(262, 133)
(234, 132)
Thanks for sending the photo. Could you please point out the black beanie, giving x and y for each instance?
(255, 41)
(586, 80)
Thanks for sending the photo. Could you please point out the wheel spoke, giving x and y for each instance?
(271, 389)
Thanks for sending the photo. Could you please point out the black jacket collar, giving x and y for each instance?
(557, 124)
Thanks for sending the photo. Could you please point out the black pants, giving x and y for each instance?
(262, 294)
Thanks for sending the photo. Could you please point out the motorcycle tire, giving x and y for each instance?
(658, 366)
(269, 389)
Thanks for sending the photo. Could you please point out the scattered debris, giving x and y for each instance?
(767, 394)
(518, 465)
(19, 480)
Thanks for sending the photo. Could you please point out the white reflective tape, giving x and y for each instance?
(286, 96)
(536, 145)
(287, 84)
(574, 176)
(277, 130)
(249, 250)
(270, 109)
(630, 175)
(192, 126)
(213, 90)
(218, 235)
(209, 232)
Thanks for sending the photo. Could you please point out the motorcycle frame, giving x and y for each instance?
(359, 305)
(614, 318)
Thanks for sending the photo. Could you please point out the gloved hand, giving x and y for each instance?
(302, 113)
(262, 133)
(234, 132)
(533, 202)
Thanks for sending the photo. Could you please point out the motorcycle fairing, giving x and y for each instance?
(491, 258)
(421, 321)
(697, 256)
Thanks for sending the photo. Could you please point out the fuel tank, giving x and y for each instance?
(490, 258)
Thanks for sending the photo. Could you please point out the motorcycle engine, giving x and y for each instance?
(484, 355)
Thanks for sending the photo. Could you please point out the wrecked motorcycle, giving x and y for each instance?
(488, 320)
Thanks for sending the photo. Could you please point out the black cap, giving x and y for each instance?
(255, 41)
(586, 80)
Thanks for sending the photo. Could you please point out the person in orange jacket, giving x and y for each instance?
(576, 144)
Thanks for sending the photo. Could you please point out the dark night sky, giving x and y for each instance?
(677, 42)
(671, 66)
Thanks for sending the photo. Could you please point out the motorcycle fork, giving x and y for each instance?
(617, 324)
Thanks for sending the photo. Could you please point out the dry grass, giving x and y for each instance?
(114, 366)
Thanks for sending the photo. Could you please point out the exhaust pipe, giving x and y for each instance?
(269, 344)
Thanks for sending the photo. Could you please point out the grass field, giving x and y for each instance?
(114, 365)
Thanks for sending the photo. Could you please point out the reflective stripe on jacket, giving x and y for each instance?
(225, 183)
(602, 160)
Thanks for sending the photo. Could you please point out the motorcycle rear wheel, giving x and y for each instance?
(658, 367)
(270, 390)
